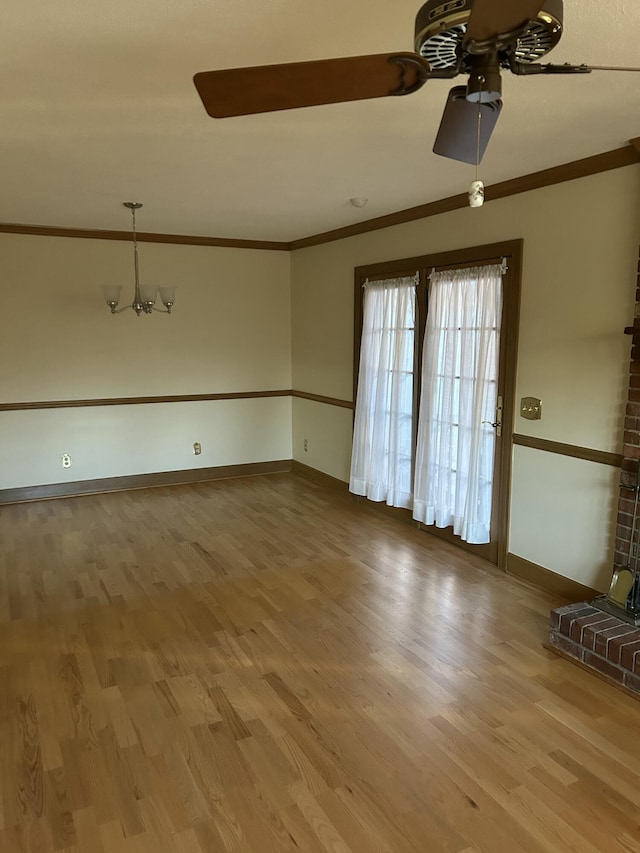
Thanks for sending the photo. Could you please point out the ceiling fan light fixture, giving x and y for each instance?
(483, 96)
(485, 84)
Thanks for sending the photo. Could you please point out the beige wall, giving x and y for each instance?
(578, 289)
(230, 331)
(327, 430)
(249, 320)
(563, 515)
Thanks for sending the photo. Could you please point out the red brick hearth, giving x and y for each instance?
(602, 642)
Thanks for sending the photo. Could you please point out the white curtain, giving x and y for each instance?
(381, 460)
(456, 441)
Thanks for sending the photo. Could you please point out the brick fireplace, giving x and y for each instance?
(598, 640)
(605, 641)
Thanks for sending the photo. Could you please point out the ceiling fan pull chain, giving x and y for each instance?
(476, 190)
(478, 141)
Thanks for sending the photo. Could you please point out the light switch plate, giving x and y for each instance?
(531, 408)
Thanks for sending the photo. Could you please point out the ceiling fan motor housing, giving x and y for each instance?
(441, 26)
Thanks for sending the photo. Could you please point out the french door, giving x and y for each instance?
(500, 420)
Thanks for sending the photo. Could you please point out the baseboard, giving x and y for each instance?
(319, 477)
(323, 479)
(548, 580)
(140, 481)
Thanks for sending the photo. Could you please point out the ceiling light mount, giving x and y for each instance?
(144, 296)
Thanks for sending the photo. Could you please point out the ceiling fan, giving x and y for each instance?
(478, 38)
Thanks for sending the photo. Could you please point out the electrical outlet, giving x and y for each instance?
(197, 448)
(306, 445)
(66, 460)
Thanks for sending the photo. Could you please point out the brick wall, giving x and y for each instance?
(631, 463)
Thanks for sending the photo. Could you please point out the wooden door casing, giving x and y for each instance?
(496, 550)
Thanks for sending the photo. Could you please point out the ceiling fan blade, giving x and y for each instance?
(267, 88)
(458, 133)
(491, 19)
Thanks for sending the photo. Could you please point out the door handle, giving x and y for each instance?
(497, 424)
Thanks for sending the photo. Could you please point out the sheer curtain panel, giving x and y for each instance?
(456, 439)
(381, 460)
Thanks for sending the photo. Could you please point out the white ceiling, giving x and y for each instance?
(98, 107)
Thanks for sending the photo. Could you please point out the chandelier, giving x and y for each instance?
(144, 297)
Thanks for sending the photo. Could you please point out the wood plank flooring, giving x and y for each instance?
(264, 665)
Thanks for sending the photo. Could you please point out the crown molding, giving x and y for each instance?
(616, 159)
(143, 237)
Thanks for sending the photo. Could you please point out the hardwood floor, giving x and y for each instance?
(263, 665)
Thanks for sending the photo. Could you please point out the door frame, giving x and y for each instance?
(512, 250)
